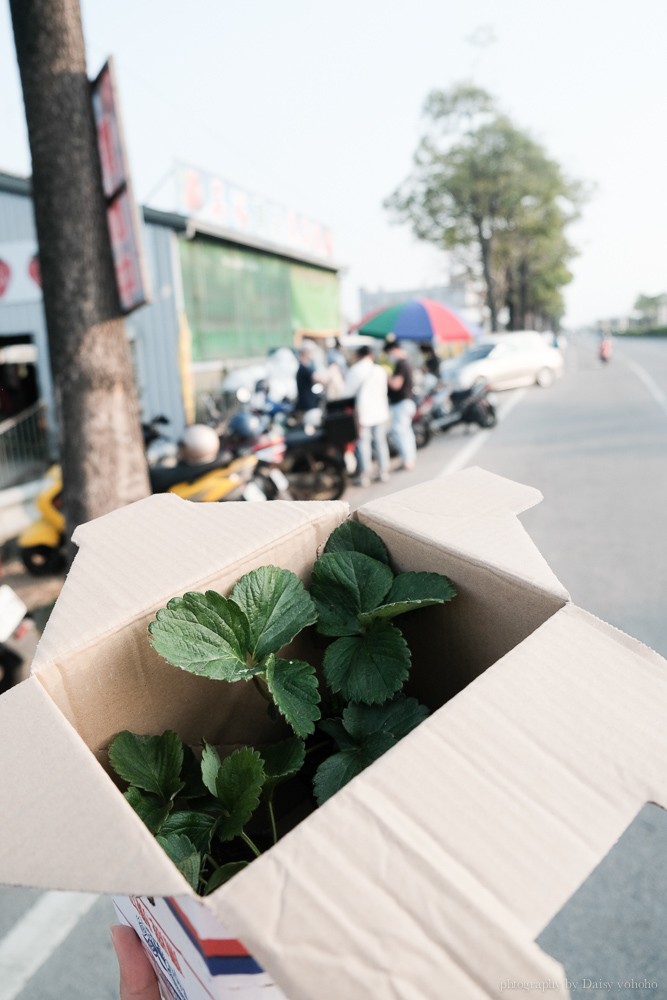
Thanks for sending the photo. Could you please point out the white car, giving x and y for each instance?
(506, 361)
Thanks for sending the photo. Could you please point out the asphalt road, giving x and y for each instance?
(595, 444)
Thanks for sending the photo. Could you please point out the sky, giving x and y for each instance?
(318, 107)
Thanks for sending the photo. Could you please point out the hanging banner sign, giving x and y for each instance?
(122, 214)
(210, 199)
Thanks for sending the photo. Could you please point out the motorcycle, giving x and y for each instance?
(314, 459)
(159, 449)
(605, 350)
(226, 477)
(462, 406)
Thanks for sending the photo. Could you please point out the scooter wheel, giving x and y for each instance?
(488, 418)
(42, 560)
(422, 432)
(315, 476)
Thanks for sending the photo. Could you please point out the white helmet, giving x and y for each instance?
(199, 444)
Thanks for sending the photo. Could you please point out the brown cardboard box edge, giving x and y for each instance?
(431, 873)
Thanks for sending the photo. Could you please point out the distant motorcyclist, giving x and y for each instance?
(606, 348)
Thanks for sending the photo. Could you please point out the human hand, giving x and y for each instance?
(137, 978)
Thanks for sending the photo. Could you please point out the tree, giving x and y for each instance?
(101, 448)
(487, 191)
(649, 308)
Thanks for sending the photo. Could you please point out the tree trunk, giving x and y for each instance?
(510, 300)
(523, 293)
(101, 448)
(485, 251)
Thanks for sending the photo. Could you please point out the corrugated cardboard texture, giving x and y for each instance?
(445, 527)
(431, 873)
(132, 560)
(64, 824)
(474, 514)
(95, 659)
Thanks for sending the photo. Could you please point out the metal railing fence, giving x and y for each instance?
(24, 447)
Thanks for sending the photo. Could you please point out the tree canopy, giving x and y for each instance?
(487, 192)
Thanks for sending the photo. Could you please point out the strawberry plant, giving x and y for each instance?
(213, 815)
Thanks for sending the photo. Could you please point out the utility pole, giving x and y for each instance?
(100, 441)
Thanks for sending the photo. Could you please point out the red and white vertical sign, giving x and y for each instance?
(122, 214)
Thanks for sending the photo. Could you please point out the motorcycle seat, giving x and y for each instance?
(300, 438)
(162, 478)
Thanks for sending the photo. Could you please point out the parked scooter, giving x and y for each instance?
(314, 457)
(203, 473)
(463, 406)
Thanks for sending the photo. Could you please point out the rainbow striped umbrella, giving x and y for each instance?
(418, 319)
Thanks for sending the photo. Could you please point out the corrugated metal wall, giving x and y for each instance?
(17, 224)
(153, 330)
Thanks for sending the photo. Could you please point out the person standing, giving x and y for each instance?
(308, 387)
(367, 382)
(402, 405)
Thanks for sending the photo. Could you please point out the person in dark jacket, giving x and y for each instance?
(402, 405)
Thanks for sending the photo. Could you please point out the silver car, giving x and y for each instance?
(506, 361)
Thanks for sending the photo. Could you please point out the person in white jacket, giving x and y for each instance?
(367, 382)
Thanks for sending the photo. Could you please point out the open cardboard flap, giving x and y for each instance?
(134, 559)
(432, 872)
(64, 824)
(474, 513)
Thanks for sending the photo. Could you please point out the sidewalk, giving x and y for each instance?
(37, 593)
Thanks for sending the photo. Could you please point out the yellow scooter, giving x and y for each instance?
(41, 544)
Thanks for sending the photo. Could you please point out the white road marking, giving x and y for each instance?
(651, 385)
(33, 940)
(463, 457)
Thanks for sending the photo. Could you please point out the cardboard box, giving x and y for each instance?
(430, 875)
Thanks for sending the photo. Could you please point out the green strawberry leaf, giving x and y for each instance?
(341, 767)
(370, 668)
(149, 808)
(294, 688)
(223, 874)
(337, 731)
(410, 591)
(210, 766)
(397, 717)
(152, 763)
(351, 536)
(282, 760)
(205, 634)
(237, 785)
(196, 826)
(184, 854)
(193, 786)
(345, 584)
(277, 607)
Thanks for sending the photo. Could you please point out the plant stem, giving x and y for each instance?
(262, 690)
(253, 847)
(272, 817)
(211, 860)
